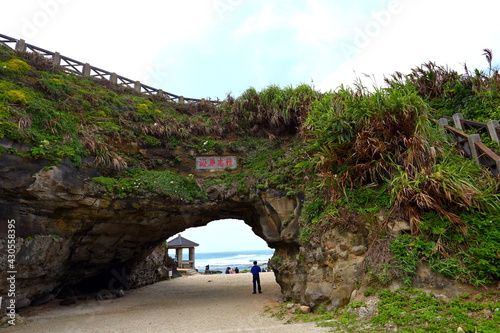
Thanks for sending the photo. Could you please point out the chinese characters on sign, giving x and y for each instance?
(215, 162)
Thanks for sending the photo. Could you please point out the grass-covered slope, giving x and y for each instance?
(405, 310)
(362, 157)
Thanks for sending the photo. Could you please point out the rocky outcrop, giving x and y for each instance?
(41, 259)
(150, 270)
(70, 232)
(329, 271)
(323, 273)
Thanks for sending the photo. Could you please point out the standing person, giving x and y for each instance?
(255, 270)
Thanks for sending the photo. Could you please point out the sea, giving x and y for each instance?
(219, 261)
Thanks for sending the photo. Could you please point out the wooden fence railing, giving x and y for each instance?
(471, 144)
(79, 68)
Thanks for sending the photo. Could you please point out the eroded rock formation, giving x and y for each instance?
(69, 230)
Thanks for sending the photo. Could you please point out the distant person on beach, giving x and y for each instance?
(255, 270)
(236, 270)
(229, 271)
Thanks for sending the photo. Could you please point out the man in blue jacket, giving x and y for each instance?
(255, 270)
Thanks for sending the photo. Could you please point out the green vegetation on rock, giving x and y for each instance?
(159, 183)
(406, 310)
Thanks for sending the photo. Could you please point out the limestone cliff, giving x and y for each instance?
(69, 229)
(71, 232)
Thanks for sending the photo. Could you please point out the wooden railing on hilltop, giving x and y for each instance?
(471, 144)
(79, 68)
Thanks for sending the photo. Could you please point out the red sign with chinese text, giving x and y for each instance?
(215, 162)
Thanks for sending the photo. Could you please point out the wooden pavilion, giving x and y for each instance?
(179, 243)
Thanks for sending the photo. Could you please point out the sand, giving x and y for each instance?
(198, 303)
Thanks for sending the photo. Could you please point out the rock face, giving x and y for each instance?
(150, 270)
(39, 260)
(68, 233)
(329, 272)
(325, 273)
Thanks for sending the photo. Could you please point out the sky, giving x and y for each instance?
(212, 48)
(209, 48)
(223, 236)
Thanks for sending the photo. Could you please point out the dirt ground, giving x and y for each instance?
(198, 303)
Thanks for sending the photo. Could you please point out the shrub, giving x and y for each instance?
(142, 109)
(54, 86)
(108, 126)
(151, 141)
(9, 130)
(16, 96)
(15, 66)
(370, 292)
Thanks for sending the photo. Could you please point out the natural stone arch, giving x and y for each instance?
(77, 233)
(68, 230)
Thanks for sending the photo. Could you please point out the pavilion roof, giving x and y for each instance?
(180, 241)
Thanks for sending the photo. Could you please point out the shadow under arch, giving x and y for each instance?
(122, 239)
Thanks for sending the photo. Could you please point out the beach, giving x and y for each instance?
(243, 260)
(197, 303)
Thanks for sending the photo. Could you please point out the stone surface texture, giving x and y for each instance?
(70, 232)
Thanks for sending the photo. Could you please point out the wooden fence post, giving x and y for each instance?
(473, 138)
(492, 131)
(137, 86)
(160, 92)
(442, 122)
(21, 45)
(56, 59)
(181, 99)
(113, 78)
(457, 121)
(86, 69)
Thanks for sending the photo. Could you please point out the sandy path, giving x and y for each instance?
(199, 303)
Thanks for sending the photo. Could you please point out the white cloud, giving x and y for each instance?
(448, 32)
(320, 25)
(266, 19)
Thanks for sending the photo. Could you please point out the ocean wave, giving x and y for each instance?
(221, 260)
(230, 261)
